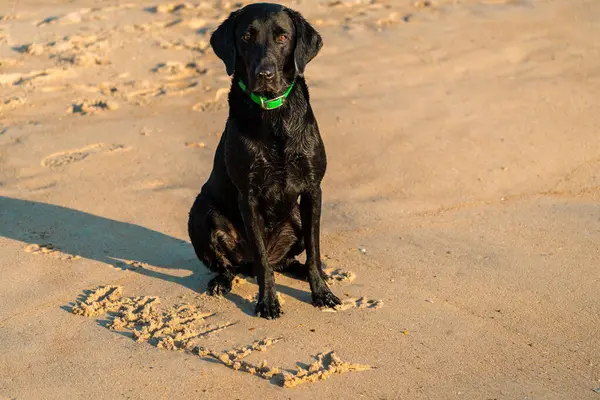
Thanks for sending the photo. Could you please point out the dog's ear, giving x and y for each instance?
(308, 41)
(222, 41)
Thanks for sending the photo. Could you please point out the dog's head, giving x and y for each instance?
(267, 45)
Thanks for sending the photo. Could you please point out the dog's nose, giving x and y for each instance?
(265, 72)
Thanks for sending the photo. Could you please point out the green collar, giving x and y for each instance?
(262, 101)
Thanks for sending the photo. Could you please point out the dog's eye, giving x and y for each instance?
(282, 38)
(246, 37)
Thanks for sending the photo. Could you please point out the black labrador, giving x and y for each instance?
(261, 205)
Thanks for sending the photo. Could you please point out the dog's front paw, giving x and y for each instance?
(325, 298)
(268, 307)
(220, 285)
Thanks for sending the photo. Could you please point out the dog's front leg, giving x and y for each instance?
(310, 210)
(268, 304)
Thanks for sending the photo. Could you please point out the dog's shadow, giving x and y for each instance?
(120, 244)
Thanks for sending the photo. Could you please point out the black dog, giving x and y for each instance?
(270, 155)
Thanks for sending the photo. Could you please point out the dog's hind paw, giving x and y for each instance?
(220, 285)
(325, 298)
(295, 268)
(268, 307)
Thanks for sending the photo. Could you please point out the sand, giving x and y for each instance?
(183, 326)
(461, 218)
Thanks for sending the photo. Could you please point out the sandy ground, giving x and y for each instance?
(462, 192)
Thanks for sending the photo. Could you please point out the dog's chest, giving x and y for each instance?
(285, 174)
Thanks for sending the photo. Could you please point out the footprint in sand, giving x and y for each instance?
(90, 107)
(84, 59)
(338, 275)
(62, 88)
(184, 44)
(73, 17)
(27, 78)
(82, 15)
(391, 19)
(423, 4)
(76, 50)
(154, 25)
(179, 70)
(49, 249)
(179, 88)
(9, 17)
(11, 103)
(353, 302)
(8, 62)
(179, 78)
(182, 8)
(71, 156)
(372, 14)
(67, 43)
(167, 89)
(216, 103)
(131, 265)
(172, 86)
(32, 49)
(193, 21)
(170, 8)
(209, 105)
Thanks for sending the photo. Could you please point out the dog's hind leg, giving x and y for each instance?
(216, 243)
(285, 242)
(288, 263)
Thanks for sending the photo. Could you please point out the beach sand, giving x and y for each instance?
(461, 213)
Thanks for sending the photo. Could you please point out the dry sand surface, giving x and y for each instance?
(461, 219)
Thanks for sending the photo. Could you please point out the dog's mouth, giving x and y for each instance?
(266, 87)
